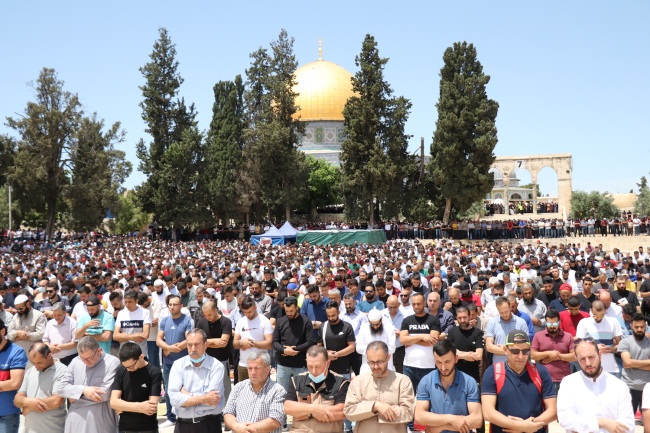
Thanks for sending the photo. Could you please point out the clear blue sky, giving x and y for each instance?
(570, 76)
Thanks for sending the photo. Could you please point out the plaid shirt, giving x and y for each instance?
(248, 406)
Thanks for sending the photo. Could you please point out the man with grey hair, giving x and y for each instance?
(38, 398)
(257, 403)
(87, 385)
(59, 334)
(196, 387)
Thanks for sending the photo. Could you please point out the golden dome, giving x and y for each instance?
(323, 89)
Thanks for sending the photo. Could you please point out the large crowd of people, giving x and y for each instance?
(441, 336)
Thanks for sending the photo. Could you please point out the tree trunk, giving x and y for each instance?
(51, 217)
(287, 211)
(445, 218)
(372, 212)
(314, 213)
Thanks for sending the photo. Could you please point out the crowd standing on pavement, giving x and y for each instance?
(444, 336)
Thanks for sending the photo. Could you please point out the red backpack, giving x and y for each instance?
(500, 376)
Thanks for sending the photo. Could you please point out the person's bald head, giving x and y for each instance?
(436, 283)
(605, 297)
(392, 301)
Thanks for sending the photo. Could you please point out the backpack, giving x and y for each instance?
(500, 376)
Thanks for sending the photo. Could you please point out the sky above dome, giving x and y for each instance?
(568, 76)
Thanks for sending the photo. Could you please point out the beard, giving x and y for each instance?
(448, 374)
(530, 301)
(376, 331)
(640, 336)
(595, 374)
(24, 313)
(95, 314)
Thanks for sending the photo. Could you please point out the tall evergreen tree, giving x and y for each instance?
(166, 116)
(466, 133)
(272, 138)
(374, 157)
(97, 174)
(224, 147)
(47, 132)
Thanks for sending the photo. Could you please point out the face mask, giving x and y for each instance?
(198, 361)
(317, 379)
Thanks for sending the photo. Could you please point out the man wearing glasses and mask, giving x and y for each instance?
(517, 395)
(380, 400)
(87, 385)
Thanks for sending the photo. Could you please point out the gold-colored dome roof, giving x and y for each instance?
(323, 89)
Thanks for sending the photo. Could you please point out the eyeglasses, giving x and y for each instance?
(90, 357)
(130, 367)
(518, 351)
(377, 363)
(370, 291)
(403, 296)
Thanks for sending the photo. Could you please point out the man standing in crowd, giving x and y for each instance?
(52, 297)
(263, 301)
(395, 316)
(171, 340)
(59, 335)
(257, 403)
(96, 323)
(136, 390)
(553, 348)
(87, 385)
(498, 328)
(635, 353)
(468, 341)
(292, 337)
(133, 323)
(570, 317)
(435, 309)
(314, 308)
(27, 325)
(381, 400)
(606, 331)
(592, 400)
(219, 331)
(448, 399)
(13, 360)
(315, 399)
(41, 405)
(517, 395)
(196, 388)
(375, 329)
(253, 333)
(533, 307)
(371, 301)
(419, 333)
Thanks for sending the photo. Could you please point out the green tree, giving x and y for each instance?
(224, 147)
(323, 184)
(642, 205)
(97, 174)
(128, 215)
(47, 132)
(166, 116)
(531, 186)
(593, 204)
(466, 133)
(374, 158)
(273, 165)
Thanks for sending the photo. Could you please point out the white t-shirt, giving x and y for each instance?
(645, 401)
(603, 333)
(133, 323)
(227, 307)
(254, 329)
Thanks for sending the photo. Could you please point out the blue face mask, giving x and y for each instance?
(197, 361)
(317, 379)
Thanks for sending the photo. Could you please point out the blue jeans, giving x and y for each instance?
(154, 353)
(167, 368)
(415, 374)
(284, 375)
(9, 423)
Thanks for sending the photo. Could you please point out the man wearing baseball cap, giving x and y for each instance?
(517, 395)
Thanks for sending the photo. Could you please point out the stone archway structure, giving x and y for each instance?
(561, 163)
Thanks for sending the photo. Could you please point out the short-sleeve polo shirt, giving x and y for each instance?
(452, 401)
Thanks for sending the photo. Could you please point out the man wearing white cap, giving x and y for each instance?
(377, 328)
(161, 292)
(28, 325)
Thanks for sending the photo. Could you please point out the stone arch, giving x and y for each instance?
(561, 163)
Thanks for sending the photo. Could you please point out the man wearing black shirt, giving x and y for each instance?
(292, 337)
(136, 390)
(269, 284)
(469, 344)
(548, 293)
(219, 331)
(338, 339)
(621, 292)
(382, 294)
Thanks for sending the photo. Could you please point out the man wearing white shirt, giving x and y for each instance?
(606, 331)
(133, 323)
(591, 400)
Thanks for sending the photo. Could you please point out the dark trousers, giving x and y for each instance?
(398, 359)
(636, 400)
(67, 360)
(416, 374)
(209, 425)
(355, 362)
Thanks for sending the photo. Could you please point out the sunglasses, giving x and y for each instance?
(50, 291)
(370, 291)
(518, 351)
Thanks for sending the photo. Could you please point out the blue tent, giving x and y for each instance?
(289, 232)
(272, 237)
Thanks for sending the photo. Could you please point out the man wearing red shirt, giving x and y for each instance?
(554, 348)
(570, 317)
